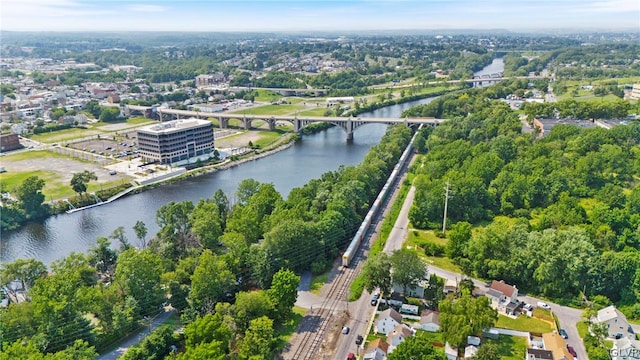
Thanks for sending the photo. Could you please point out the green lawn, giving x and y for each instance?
(317, 282)
(443, 263)
(509, 347)
(270, 110)
(417, 237)
(28, 155)
(524, 323)
(267, 138)
(139, 120)
(64, 135)
(319, 111)
(266, 95)
(53, 188)
(583, 328)
(285, 332)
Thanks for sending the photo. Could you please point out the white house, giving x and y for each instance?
(376, 350)
(450, 352)
(502, 295)
(624, 349)
(388, 320)
(398, 335)
(617, 323)
(430, 321)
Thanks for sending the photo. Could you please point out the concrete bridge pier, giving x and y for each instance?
(247, 123)
(297, 125)
(350, 137)
(349, 129)
(224, 122)
(272, 124)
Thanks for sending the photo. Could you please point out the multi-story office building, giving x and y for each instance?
(176, 140)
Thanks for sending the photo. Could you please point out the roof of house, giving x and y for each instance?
(610, 313)
(400, 330)
(626, 343)
(503, 287)
(392, 313)
(429, 317)
(556, 344)
(513, 305)
(470, 351)
(378, 344)
(539, 354)
(493, 293)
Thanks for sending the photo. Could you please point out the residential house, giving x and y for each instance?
(396, 300)
(503, 297)
(625, 348)
(388, 320)
(538, 354)
(430, 321)
(617, 323)
(376, 350)
(450, 286)
(473, 340)
(398, 335)
(416, 291)
(555, 343)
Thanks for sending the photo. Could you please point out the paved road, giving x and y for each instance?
(133, 340)
(568, 317)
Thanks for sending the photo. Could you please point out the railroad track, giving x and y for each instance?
(313, 333)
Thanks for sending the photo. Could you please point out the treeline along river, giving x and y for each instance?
(57, 236)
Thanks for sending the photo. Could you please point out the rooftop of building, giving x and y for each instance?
(174, 125)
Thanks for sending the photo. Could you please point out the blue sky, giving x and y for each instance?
(325, 15)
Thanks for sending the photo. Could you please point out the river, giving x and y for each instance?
(496, 66)
(309, 158)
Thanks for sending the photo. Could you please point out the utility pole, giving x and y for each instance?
(446, 202)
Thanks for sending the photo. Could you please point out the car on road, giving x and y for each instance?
(528, 307)
(359, 340)
(544, 305)
(374, 299)
(351, 356)
(345, 330)
(572, 351)
(563, 334)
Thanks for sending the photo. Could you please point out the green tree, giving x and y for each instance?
(408, 268)
(465, 316)
(31, 198)
(27, 271)
(459, 237)
(138, 272)
(283, 294)
(376, 273)
(118, 234)
(250, 306)
(246, 189)
(258, 341)
(102, 256)
(416, 347)
(141, 233)
(109, 113)
(206, 223)
(208, 328)
(80, 180)
(207, 290)
(487, 352)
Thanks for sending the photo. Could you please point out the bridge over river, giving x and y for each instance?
(348, 124)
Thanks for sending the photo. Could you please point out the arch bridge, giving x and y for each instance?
(348, 124)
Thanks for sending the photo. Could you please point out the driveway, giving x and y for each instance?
(135, 339)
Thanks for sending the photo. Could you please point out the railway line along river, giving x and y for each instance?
(58, 236)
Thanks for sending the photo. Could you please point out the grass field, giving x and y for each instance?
(53, 188)
(419, 238)
(317, 282)
(267, 138)
(285, 332)
(313, 112)
(64, 135)
(266, 95)
(524, 323)
(271, 110)
(139, 120)
(509, 347)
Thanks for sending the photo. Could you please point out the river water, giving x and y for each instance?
(309, 158)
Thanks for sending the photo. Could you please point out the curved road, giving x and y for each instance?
(568, 317)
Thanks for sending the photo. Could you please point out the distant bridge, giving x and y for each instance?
(283, 91)
(348, 124)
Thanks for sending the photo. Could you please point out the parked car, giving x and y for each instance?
(544, 305)
(563, 334)
(351, 356)
(359, 340)
(572, 351)
(374, 299)
(528, 307)
(345, 330)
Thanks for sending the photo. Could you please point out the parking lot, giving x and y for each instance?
(119, 146)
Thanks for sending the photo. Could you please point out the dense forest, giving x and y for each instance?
(558, 216)
(254, 247)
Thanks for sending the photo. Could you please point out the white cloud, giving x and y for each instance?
(145, 8)
(613, 6)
